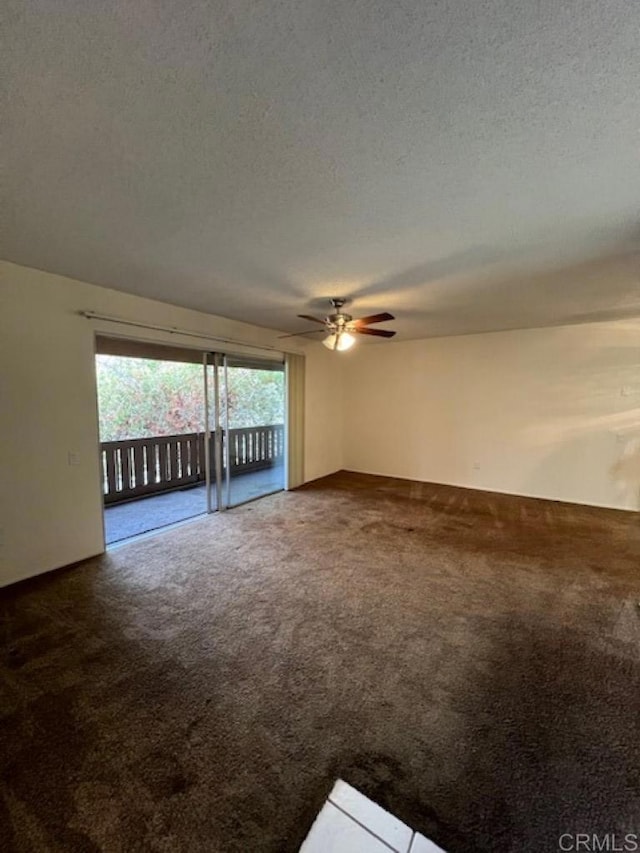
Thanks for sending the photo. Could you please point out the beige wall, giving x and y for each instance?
(551, 413)
(50, 511)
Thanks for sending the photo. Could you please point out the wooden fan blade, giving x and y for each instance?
(374, 318)
(308, 332)
(380, 333)
(313, 319)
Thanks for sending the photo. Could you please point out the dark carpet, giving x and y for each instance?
(468, 660)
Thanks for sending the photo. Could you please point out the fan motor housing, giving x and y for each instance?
(339, 319)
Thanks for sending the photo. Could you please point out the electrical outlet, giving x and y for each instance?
(476, 466)
(74, 457)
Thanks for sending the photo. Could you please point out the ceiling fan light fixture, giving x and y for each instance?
(340, 341)
(342, 329)
(345, 342)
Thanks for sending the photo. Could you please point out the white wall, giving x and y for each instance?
(323, 413)
(552, 413)
(50, 512)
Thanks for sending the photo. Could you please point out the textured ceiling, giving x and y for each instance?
(466, 165)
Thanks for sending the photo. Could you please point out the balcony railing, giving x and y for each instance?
(145, 466)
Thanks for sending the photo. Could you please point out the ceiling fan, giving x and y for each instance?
(341, 327)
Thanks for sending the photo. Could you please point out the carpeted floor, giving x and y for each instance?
(470, 661)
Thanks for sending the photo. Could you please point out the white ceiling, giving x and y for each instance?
(465, 164)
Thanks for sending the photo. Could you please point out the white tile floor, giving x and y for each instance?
(350, 823)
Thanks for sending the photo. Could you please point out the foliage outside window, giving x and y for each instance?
(140, 397)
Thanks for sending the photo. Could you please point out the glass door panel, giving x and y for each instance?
(213, 432)
(253, 402)
(151, 413)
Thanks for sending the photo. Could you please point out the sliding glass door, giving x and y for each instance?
(184, 433)
(253, 402)
(152, 419)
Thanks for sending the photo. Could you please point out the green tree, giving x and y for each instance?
(140, 397)
(255, 397)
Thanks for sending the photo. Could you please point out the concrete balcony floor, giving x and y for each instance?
(125, 520)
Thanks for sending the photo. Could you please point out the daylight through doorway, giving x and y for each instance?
(254, 447)
(184, 434)
(152, 443)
